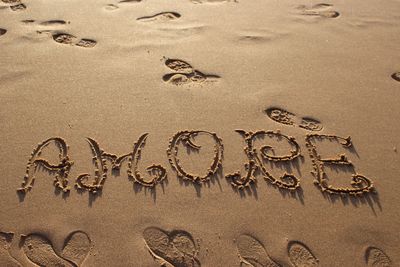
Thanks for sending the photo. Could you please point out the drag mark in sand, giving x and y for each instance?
(5, 257)
(61, 168)
(375, 257)
(40, 251)
(360, 184)
(163, 16)
(186, 138)
(176, 248)
(301, 256)
(253, 253)
(286, 181)
(186, 74)
(283, 116)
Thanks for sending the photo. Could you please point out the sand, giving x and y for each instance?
(199, 133)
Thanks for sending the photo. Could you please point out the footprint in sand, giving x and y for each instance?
(300, 255)
(375, 257)
(395, 76)
(253, 253)
(111, 7)
(212, 1)
(19, 7)
(285, 117)
(175, 248)
(66, 38)
(5, 258)
(60, 36)
(40, 251)
(319, 10)
(163, 16)
(185, 73)
(53, 22)
(2, 31)
(15, 5)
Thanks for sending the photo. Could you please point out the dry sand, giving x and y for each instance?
(131, 121)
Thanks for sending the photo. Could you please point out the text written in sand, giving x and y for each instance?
(257, 163)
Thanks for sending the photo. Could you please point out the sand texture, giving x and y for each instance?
(189, 133)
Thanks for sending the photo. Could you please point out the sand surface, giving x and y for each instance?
(199, 133)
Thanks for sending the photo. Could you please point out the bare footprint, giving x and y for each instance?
(163, 16)
(375, 257)
(5, 258)
(253, 253)
(285, 117)
(300, 255)
(2, 31)
(320, 10)
(40, 251)
(395, 76)
(176, 248)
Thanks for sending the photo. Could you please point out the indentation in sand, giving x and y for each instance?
(2, 31)
(163, 16)
(40, 251)
(300, 255)
(252, 252)
(66, 38)
(53, 22)
(19, 7)
(176, 248)
(283, 116)
(359, 183)
(86, 43)
(186, 74)
(319, 10)
(256, 161)
(375, 257)
(186, 138)
(61, 168)
(396, 76)
(212, 1)
(11, 1)
(156, 172)
(5, 257)
(76, 247)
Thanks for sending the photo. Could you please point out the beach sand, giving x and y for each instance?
(199, 133)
